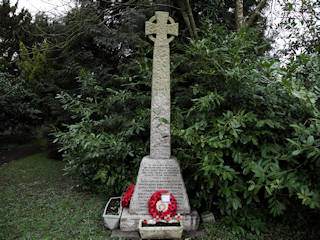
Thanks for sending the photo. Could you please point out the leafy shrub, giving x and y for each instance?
(18, 104)
(252, 129)
(106, 142)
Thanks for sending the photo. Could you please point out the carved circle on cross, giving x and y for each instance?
(153, 20)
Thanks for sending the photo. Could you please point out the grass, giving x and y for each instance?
(37, 203)
(221, 231)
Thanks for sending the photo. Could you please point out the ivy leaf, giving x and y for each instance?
(310, 140)
(250, 188)
(254, 141)
(296, 152)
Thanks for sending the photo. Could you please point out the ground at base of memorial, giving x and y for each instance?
(37, 203)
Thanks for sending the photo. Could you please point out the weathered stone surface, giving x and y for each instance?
(191, 221)
(208, 217)
(157, 232)
(155, 175)
(130, 222)
(160, 147)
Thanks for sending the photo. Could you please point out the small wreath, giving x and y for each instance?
(127, 196)
(156, 208)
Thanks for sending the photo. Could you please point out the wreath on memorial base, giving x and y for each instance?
(171, 209)
(127, 196)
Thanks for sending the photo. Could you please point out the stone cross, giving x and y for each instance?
(160, 147)
(160, 170)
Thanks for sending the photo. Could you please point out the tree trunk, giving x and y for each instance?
(191, 19)
(239, 14)
(187, 15)
(240, 23)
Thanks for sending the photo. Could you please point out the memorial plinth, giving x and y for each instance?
(159, 171)
(155, 175)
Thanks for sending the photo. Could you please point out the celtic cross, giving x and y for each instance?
(158, 29)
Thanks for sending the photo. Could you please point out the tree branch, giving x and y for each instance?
(255, 13)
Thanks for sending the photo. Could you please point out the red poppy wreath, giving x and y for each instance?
(127, 196)
(155, 210)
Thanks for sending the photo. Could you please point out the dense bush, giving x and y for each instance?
(247, 124)
(252, 130)
(18, 104)
(108, 138)
(27, 100)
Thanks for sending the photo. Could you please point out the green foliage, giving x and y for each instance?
(37, 70)
(252, 128)
(107, 140)
(222, 12)
(28, 85)
(301, 27)
(241, 145)
(34, 65)
(15, 27)
(18, 103)
(96, 37)
(28, 100)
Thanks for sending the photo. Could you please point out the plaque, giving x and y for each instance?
(165, 197)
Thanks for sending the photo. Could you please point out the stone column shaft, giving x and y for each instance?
(160, 146)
